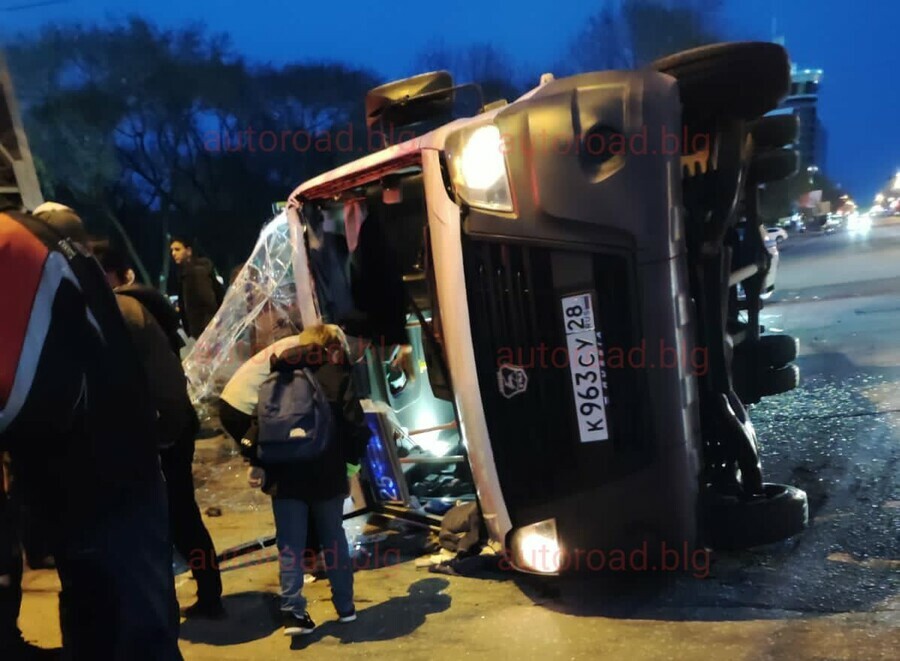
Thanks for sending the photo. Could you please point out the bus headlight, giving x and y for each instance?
(535, 548)
(478, 168)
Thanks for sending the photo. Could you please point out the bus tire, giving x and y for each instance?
(732, 522)
(779, 380)
(775, 132)
(774, 165)
(743, 80)
(778, 350)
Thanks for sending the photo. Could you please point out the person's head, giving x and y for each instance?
(324, 335)
(115, 264)
(63, 219)
(182, 250)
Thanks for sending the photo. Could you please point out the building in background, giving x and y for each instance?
(803, 100)
(810, 190)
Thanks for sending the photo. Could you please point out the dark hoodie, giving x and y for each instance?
(87, 389)
(167, 385)
(199, 294)
(325, 477)
(158, 306)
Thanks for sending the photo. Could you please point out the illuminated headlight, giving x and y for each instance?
(478, 168)
(859, 224)
(536, 548)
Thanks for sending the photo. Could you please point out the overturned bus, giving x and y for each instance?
(567, 266)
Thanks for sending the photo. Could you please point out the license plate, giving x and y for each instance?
(587, 367)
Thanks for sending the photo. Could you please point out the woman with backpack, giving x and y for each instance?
(310, 426)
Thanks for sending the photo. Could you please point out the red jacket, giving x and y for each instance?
(74, 408)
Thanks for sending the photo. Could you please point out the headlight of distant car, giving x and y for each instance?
(478, 167)
(859, 224)
(535, 548)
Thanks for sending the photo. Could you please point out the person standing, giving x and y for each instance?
(199, 291)
(122, 278)
(177, 420)
(240, 396)
(315, 489)
(72, 393)
(11, 642)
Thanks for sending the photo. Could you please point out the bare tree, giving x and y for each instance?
(481, 63)
(602, 44)
(630, 33)
(149, 130)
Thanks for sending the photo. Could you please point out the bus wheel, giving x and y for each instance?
(734, 522)
(778, 350)
(779, 380)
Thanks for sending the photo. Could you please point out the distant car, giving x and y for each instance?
(833, 224)
(859, 224)
(777, 234)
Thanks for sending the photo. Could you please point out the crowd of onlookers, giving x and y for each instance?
(98, 432)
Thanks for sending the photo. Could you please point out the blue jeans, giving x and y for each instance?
(291, 517)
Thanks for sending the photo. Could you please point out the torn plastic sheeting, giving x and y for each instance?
(259, 308)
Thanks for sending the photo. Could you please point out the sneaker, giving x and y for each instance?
(206, 610)
(347, 617)
(296, 625)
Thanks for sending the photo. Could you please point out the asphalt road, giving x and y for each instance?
(832, 592)
(825, 262)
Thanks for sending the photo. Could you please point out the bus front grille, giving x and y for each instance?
(514, 295)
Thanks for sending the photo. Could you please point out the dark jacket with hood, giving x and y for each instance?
(158, 306)
(325, 477)
(65, 424)
(177, 421)
(199, 294)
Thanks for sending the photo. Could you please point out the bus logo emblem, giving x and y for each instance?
(512, 380)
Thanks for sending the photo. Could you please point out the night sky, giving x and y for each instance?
(854, 42)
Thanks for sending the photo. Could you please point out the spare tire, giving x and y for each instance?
(742, 80)
(732, 522)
